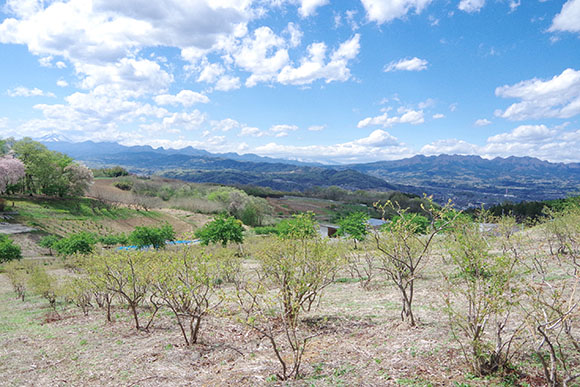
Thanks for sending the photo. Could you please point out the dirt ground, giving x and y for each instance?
(361, 342)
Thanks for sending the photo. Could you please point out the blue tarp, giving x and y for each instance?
(187, 243)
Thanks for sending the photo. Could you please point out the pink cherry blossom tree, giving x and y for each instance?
(11, 170)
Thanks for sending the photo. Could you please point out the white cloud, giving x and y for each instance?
(379, 145)
(263, 55)
(557, 97)
(283, 128)
(128, 77)
(482, 122)
(61, 83)
(450, 146)
(552, 144)
(110, 28)
(407, 64)
(308, 7)
(22, 91)
(251, 132)
(382, 11)
(210, 72)
(316, 128)
(225, 125)
(568, 19)
(453, 107)
(525, 133)
(438, 116)
(315, 67)
(178, 122)
(514, 4)
(471, 6)
(227, 83)
(184, 97)
(413, 117)
(295, 34)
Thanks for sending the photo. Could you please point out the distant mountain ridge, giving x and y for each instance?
(194, 165)
(93, 151)
(467, 180)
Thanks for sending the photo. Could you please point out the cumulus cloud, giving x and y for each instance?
(413, 117)
(438, 116)
(61, 83)
(552, 144)
(184, 97)
(379, 145)
(407, 64)
(316, 128)
(308, 7)
(568, 19)
(251, 132)
(227, 83)
(225, 125)
(482, 122)
(449, 146)
(383, 11)
(524, 134)
(22, 91)
(128, 77)
(109, 28)
(178, 122)
(315, 66)
(263, 55)
(557, 97)
(471, 6)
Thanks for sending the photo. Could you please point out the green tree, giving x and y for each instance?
(48, 242)
(301, 226)
(8, 250)
(223, 229)
(82, 243)
(144, 236)
(354, 226)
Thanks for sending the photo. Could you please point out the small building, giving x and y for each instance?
(376, 223)
(327, 230)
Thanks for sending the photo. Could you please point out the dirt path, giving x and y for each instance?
(13, 228)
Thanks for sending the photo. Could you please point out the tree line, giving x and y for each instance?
(28, 167)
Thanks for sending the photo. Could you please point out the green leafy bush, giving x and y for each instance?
(354, 226)
(265, 230)
(114, 239)
(301, 226)
(125, 185)
(144, 236)
(8, 250)
(222, 229)
(82, 242)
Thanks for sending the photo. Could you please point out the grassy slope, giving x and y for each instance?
(64, 216)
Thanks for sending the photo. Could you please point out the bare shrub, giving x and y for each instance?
(289, 280)
(405, 243)
(126, 274)
(16, 271)
(187, 282)
(481, 297)
(554, 300)
(44, 285)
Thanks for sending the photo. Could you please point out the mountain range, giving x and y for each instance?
(467, 180)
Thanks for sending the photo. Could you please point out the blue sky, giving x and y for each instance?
(316, 80)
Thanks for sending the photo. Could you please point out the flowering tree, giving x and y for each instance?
(11, 170)
(79, 178)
